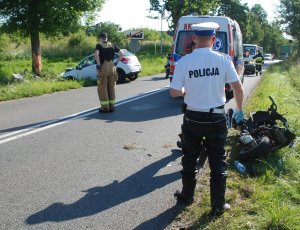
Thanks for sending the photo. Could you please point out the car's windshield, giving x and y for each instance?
(90, 60)
(250, 49)
(184, 42)
(127, 53)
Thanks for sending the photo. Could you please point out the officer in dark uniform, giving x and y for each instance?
(107, 74)
(200, 77)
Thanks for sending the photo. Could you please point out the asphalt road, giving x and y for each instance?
(65, 166)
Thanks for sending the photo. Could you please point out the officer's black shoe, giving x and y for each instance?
(179, 144)
(180, 197)
(216, 212)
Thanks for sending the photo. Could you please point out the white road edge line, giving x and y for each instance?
(60, 121)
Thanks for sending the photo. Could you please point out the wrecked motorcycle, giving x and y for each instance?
(264, 132)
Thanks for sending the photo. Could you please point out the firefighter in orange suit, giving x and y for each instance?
(107, 74)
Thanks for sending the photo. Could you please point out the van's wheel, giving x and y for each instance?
(121, 76)
(133, 77)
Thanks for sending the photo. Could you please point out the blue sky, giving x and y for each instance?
(133, 13)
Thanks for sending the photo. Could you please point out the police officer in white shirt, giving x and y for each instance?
(200, 77)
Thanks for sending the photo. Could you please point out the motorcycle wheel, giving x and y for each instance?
(261, 149)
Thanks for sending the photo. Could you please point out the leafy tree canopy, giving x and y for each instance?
(290, 13)
(49, 17)
(177, 8)
(113, 31)
(259, 12)
(253, 22)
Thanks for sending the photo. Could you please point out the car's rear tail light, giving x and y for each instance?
(230, 35)
(125, 60)
(172, 66)
(227, 87)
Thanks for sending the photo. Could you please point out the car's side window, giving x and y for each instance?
(238, 43)
(87, 62)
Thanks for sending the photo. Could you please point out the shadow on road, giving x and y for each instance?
(101, 198)
(156, 106)
(143, 108)
(159, 222)
(155, 78)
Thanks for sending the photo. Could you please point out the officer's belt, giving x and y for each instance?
(212, 110)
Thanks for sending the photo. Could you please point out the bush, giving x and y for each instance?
(153, 47)
(75, 46)
(77, 40)
(4, 44)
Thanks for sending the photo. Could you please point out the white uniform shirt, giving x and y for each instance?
(203, 74)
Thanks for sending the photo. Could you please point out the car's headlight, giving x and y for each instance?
(68, 69)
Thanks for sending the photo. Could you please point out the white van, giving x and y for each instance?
(250, 50)
(228, 41)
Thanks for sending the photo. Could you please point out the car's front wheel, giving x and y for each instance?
(70, 78)
(121, 76)
(133, 77)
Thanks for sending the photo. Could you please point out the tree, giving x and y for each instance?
(290, 13)
(253, 22)
(273, 39)
(178, 8)
(51, 17)
(114, 32)
(235, 10)
(260, 13)
(239, 12)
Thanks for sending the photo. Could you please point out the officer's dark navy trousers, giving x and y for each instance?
(212, 127)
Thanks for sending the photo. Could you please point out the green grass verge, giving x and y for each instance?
(151, 64)
(35, 88)
(271, 199)
(50, 81)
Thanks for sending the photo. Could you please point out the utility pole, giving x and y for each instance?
(160, 9)
(161, 16)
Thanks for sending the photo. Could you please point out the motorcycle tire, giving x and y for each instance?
(261, 149)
